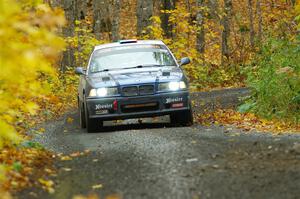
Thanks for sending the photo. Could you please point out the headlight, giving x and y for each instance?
(103, 92)
(172, 86)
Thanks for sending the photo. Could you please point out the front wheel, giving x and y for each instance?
(184, 118)
(92, 124)
(82, 115)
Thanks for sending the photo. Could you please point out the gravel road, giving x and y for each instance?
(156, 160)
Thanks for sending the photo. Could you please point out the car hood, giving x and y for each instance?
(135, 76)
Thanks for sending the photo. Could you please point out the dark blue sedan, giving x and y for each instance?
(133, 79)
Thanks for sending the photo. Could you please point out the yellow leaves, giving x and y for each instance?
(246, 121)
(7, 133)
(91, 196)
(65, 158)
(28, 47)
(23, 162)
(72, 155)
(2, 172)
(47, 185)
(41, 130)
(297, 7)
(31, 108)
(5, 195)
(70, 120)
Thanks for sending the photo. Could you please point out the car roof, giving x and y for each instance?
(129, 43)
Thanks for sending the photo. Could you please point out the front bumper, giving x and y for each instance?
(138, 106)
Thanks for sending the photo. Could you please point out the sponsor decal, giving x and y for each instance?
(173, 99)
(101, 112)
(103, 106)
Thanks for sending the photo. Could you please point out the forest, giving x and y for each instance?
(231, 43)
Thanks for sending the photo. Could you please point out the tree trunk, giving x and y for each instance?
(116, 20)
(68, 58)
(144, 13)
(167, 5)
(259, 15)
(225, 22)
(251, 25)
(101, 18)
(200, 45)
(213, 6)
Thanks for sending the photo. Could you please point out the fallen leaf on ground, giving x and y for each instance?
(70, 120)
(76, 154)
(47, 185)
(97, 186)
(246, 121)
(67, 169)
(93, 196)
(65, 158)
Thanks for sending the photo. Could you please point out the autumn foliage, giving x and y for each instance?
(28, 54)
(231, 43)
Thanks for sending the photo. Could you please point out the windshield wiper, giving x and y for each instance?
(144, 66)
(138, 66)
(104, 70)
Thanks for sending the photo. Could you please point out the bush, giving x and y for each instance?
(275, 80)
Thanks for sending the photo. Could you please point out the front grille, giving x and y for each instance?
(138, 90)
(130, 91)
(146, 90)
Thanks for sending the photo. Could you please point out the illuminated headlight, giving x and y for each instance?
(103, 92)
(172, 86)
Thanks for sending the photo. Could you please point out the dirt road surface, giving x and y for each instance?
(157, 160)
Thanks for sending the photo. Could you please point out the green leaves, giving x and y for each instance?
(31, 144)
(244, 108)
(17, 166)
(276, 81)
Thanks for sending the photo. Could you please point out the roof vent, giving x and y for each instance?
(166, 73)
(128, 41)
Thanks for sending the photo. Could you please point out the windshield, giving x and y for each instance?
(130, 57)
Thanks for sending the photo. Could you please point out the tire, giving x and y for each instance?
(82, 118)
(92, 125)
(183, 118)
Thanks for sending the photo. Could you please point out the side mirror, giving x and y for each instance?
(185, 61)
(79, 71)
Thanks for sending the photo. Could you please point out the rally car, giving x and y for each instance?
(133, 79)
